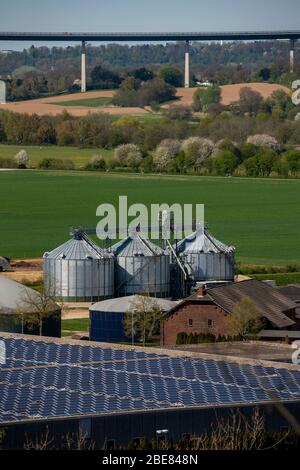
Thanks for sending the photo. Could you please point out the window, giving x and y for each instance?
(210, 323)
(190, 322)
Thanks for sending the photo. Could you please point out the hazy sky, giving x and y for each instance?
(146, 15)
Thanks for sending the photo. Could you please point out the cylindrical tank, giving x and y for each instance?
(206, 258)
(79, 271)
(107, 317)
(141, 267)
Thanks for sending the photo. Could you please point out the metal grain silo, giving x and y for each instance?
(141, 267)
(206, 258)
(79, 270)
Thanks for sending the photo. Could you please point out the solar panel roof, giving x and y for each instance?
(49, 379)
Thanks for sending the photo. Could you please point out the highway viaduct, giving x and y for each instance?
(291, 36)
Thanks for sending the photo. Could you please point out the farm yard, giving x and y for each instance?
(38, 208)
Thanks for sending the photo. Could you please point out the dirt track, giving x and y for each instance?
(42, 106)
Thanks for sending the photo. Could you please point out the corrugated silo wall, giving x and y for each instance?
(143, 274)
(123, 428)
(107, 327)
(210, 266)
(80, 280)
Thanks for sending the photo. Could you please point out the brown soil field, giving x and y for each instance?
(47, 106)
(230, 93)
(42, 106)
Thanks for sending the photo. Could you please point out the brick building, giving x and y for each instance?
(206, 311)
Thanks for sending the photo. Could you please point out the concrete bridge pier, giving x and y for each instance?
(292, 54)
(83, 68)
(187, 65)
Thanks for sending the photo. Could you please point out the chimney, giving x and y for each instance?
(201, 291)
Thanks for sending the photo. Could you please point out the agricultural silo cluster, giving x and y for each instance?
(79, 270)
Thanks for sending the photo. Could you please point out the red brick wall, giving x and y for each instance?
(199, 314)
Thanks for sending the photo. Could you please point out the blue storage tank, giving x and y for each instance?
(106, 317)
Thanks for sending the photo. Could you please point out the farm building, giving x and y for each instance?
(141, 267)
(117, 393)
(79, 270)
(4, 264)
(206, 258)
(205, 311)
(292, 291)
(106, 317)
(18, 309)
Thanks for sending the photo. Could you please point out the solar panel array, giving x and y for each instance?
(50, 379)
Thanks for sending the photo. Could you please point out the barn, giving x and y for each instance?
(18, 305)
(206, 311)
(113, 394)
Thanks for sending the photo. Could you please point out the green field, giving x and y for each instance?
(69, 327)
(261, 217)
(80, 156)
(89, 102)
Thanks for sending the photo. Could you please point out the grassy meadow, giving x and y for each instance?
(80, 156)
(260, 217)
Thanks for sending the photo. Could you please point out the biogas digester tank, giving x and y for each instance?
(79, 271)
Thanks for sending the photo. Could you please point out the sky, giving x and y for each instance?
(146, 15)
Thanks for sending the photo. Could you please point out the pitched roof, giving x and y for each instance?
(270, 302)
(292, 291)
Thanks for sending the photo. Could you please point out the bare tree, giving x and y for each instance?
(143, 317)
(245, 319)
(36, 307)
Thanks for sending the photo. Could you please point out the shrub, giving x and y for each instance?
(167, 150)
(56, 164)
(224, 163)
(178, 111)
(128, 155)
(96, 163)
(22, 159)
(204, 97)
(263, 140)
(197, 150)
(8, 163)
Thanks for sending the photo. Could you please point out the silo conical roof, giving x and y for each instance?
(135, 245)
(203, 241)
(77, 248)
